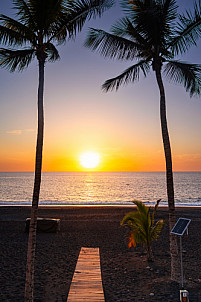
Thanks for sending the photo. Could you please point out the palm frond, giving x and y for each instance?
(141, 207)
(134, 7)
(111, 46)
(125, 28)
(140, 235)
(52, 52)
(83, 9)
(46, 15)
(155, 209)
(169, 9)
(144, 213)
(156, 229)
(131, 216)
(24, 13)
(139, 222)
(188, 30)
(14, 32)
(135, 222)
(16, 59)
(153, 19)
(131, 74)
(142, 14)
(11, 37)
(187, 74)
(59, 31)
(167, 18)
(78, 12)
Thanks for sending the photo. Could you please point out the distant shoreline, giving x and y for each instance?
(111, 212)
(100, 171)
(96, 205)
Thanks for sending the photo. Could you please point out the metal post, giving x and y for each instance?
(179, 229)
(182, 277)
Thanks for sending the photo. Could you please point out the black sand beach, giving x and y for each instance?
(125, 272)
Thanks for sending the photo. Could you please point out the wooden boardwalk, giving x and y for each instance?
(87, 282)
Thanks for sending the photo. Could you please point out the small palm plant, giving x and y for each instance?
(142, 227)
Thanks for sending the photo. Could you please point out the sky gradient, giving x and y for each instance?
(123, 127)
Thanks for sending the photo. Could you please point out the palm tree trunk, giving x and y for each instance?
(29, 285)
(175, 264)
(149, 253)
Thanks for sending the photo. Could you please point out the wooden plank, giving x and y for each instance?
(87, 282)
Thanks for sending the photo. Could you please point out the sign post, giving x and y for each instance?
(179, 229)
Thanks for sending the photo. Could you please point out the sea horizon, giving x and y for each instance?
(86, 171)
(99, 188)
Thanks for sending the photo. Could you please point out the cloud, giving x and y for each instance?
(29, 130)
(18, 132)
(189, 157)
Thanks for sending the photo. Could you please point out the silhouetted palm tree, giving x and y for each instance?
(38, 25)
(150, 33)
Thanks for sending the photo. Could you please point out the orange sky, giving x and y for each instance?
(120, 149)
(123, 127)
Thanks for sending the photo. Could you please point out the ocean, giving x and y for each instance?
(99, 188)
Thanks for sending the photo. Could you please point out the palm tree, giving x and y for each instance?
(151, 34)
(142, 227)
(190, 26)
(38, 25)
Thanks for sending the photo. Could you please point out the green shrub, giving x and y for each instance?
(142, 227)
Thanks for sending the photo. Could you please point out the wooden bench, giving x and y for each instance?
(45, 225)
(86, 284)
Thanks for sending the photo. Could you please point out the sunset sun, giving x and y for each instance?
(89, 160)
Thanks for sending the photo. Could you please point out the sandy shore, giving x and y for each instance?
(124, 271)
